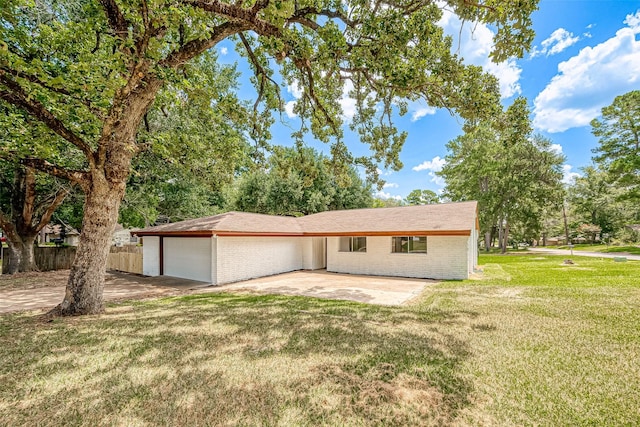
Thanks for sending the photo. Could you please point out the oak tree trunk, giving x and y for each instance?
(104, 188)
(85, 286)
(20, 257)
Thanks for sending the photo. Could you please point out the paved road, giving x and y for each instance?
(567, 252)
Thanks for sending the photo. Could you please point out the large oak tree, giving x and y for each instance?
(91, 69)
(512, 173)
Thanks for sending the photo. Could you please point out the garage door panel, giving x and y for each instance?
(188, 258)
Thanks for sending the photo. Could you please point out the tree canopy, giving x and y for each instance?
(618, 132)
(298, 181)
(422, 197)
(512, 173)
(89, 71)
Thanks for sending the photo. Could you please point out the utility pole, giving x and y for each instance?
(566, 227)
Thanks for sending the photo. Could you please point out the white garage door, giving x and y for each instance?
(188, 257)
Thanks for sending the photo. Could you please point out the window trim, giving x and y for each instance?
(409, 239)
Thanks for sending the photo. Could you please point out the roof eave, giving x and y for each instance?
(303, 234)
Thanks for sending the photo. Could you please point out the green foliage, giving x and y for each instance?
(386, 203)
(422, 197)
(86, 62)
(619, 137)
(596, 200)
(512, 173)
(196, 134)
(298, 181)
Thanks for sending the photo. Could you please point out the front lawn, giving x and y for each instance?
(534, 342)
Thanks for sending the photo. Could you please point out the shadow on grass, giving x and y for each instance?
(225, 359)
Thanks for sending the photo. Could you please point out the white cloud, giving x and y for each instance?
(434, 165)
(295, 90)
(556, 148)
(590, 80)
(390, 185)
(224, 51)
(418, 110)
(558, 41)
(347, 103)
(474, 44)
(288, 109)
(567, 175)
(382, 195)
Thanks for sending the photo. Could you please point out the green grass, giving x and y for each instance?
(631, 249)
(534, 342)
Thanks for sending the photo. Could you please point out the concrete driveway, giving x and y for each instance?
(319, 284)
(322, 284)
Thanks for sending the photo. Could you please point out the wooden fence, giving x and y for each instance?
(125, 258)
(53, 258)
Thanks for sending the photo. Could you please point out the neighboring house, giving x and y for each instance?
(52, 233)
(431, 241)
(124, 236)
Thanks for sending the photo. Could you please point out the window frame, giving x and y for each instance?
(409, 245)
(359, 248)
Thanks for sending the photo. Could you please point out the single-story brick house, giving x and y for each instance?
(432, 241)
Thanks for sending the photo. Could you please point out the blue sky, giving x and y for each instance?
(585, 53)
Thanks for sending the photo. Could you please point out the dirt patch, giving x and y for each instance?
(43, 290)
(34, 280)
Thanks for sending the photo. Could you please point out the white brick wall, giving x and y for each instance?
(241, 258)
(151, 255)
(446, 258)
(473, 250)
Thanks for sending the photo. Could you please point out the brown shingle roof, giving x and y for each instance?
(228, 223)
(445, 219)
(442, 218)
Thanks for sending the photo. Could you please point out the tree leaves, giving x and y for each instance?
(619, 138)
(513, 174)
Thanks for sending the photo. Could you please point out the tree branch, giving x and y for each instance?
(33, 79)
(79, 177)
(28, 189)
(260, 71)
(115, 17)
(333, 14)
(7, 225)
(304, 66)
(237, 13)
(193, 48)
(57, 201)
(17, 96)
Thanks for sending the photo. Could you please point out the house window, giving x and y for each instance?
(409, 245)
(353, 244)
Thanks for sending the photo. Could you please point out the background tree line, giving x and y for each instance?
(516, 176)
